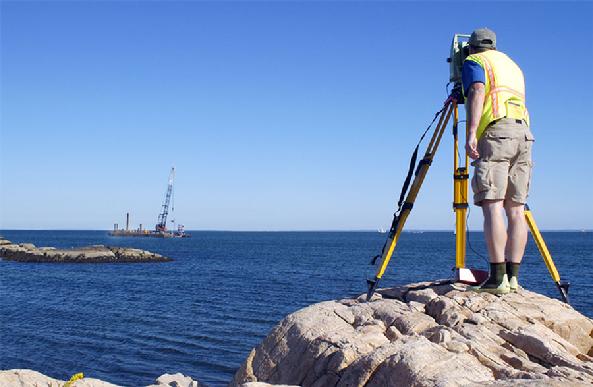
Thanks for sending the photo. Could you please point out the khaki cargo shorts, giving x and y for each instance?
(503, 170)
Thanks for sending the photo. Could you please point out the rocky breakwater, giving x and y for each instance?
(427, 334)
(28, 252)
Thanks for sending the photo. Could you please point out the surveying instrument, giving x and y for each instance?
(410, 188)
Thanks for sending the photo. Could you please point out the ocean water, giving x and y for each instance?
(203, 313)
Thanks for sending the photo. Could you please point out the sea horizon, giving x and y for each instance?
(291, 230)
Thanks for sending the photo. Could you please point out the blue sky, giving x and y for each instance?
(276, 115)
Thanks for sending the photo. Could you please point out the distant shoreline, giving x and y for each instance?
(299, 231)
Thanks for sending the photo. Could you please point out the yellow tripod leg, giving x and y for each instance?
(543, 249)
(400, 220)
(460, 193)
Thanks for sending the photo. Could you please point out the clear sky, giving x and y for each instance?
(276, 115)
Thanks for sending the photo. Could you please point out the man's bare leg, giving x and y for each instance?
(494, 229)
(516, 241)
(517, 231)
(496, 238)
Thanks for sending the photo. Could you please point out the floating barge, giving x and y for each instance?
(147, 233)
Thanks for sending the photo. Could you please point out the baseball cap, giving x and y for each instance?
(483, 38)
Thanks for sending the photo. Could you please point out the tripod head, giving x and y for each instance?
(459, 51)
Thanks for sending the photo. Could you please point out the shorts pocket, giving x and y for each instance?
(521, 180)
(482, 179)
(497, 146)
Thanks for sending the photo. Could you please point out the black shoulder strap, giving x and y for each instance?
(412, 166)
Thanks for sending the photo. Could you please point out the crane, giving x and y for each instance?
(162, 220)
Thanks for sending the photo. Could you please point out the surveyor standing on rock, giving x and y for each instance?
(499, 141)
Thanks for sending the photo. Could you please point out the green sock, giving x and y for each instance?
(497, 272)
(513, 269)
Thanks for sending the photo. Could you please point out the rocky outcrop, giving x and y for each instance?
(28, 252)
(427, 334)
(29, 378)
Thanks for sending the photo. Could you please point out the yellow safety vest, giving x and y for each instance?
(505, 89)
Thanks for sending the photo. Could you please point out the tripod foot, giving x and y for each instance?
(563, 288)
(372, 287)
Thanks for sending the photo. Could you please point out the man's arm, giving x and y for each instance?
(474, 106)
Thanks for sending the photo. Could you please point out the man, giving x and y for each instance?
(499, 141)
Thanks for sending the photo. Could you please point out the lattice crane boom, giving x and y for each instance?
(162, 220)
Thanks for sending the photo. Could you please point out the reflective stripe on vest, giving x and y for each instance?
(505, 89)
(492, 82)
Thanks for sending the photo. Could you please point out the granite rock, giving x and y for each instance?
(427, 334)
(30, 378)
(175, 380)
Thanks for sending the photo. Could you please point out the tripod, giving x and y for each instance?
(460, 205)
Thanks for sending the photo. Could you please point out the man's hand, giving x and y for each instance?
(471, 146)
